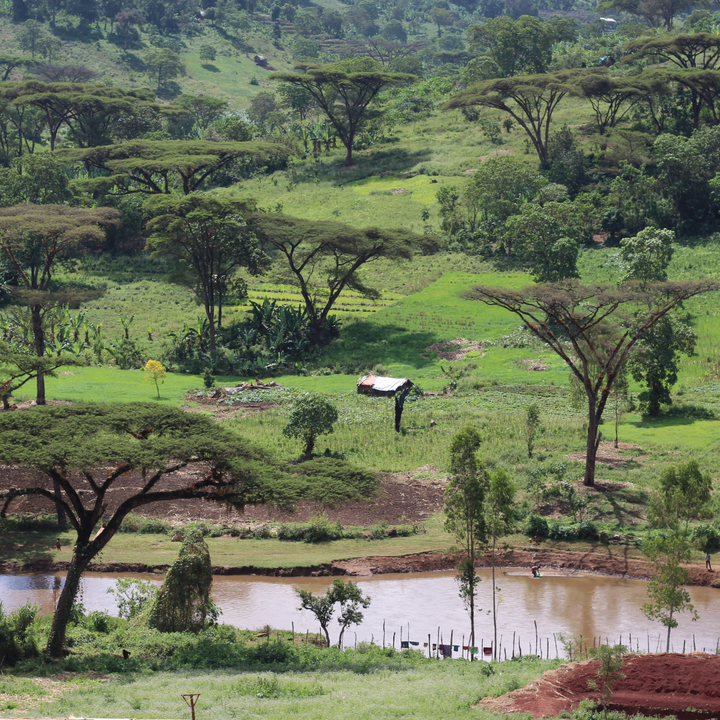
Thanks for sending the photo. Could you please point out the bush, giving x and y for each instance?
(148, 526)
(331, 480)
(320, 529)
(18, 640)
(706, 538)
(536, 525)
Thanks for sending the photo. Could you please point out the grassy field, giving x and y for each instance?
(398, 687)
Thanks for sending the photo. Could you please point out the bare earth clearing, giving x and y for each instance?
(661, 684)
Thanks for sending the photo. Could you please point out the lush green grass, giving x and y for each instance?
(158, 549)
(432, 689)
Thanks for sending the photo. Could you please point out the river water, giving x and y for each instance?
(420, 603)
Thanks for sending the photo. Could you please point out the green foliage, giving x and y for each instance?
(18, 636)
(546, 238)
(532, 425)
(609, 672)
(536, 526)
(311, 416)
(706, 538)
(647, 255)
(349, 600)
(465, 515)
(165, 65)
(133, 596)
(133, 523)
(272, 687)
(208, 52)
(344, 91)
(183, 603)
(684, 493)
(667, 596)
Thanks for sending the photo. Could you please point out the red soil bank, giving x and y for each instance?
(687, 686)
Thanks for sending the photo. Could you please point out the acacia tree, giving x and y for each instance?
(9, 63)
(531, 100)
(33, 240)
(152, 167)
(20, 365)
(86, 449)
(344, 91)
(323, 258)
(465, 515)
(593, 328)
(211, 238)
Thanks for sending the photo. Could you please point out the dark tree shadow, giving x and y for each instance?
(133, 62)
(169, 91)
(366, 344)
(210, 67)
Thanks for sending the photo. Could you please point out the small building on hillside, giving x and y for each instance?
(375, 385)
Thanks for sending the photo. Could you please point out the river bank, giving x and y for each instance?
(600, 563)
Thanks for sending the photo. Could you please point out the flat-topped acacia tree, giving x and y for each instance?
(344, 91)
(87, 448)
(211, 237)
(531, 100)
(33, 240)
(323, 257)
(593, 328)
(152, 167)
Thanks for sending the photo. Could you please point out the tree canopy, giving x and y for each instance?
(593, 328)
(323, 257)
(209, 236)
(531, 100)
(173, 455)
(153, 167)
(33, 239)
(344, 91)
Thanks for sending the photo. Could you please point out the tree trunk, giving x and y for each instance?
(61, 517)
(309, 446)
(494, 605)
(348, 155)
(39, 339)
(593, 441)
(61, 618)
(667, 649)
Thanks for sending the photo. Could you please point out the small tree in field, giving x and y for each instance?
(208, 53)
(311, 416)
(155, 372)
(347, 596)
(609, 672)
(532, 425)
(465, 511)
(665, 590)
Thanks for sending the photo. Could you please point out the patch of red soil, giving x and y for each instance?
(402, 497)
(664, 684)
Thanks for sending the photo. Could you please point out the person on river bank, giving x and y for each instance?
(708, 566)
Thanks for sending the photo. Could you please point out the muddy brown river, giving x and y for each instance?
(418, 604)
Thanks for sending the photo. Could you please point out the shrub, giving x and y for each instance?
(536, 525)
(18, 640)
(331, 480)
(133, 596)
(148, 526)
(183, 602)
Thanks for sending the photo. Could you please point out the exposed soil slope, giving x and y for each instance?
(661, 684)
